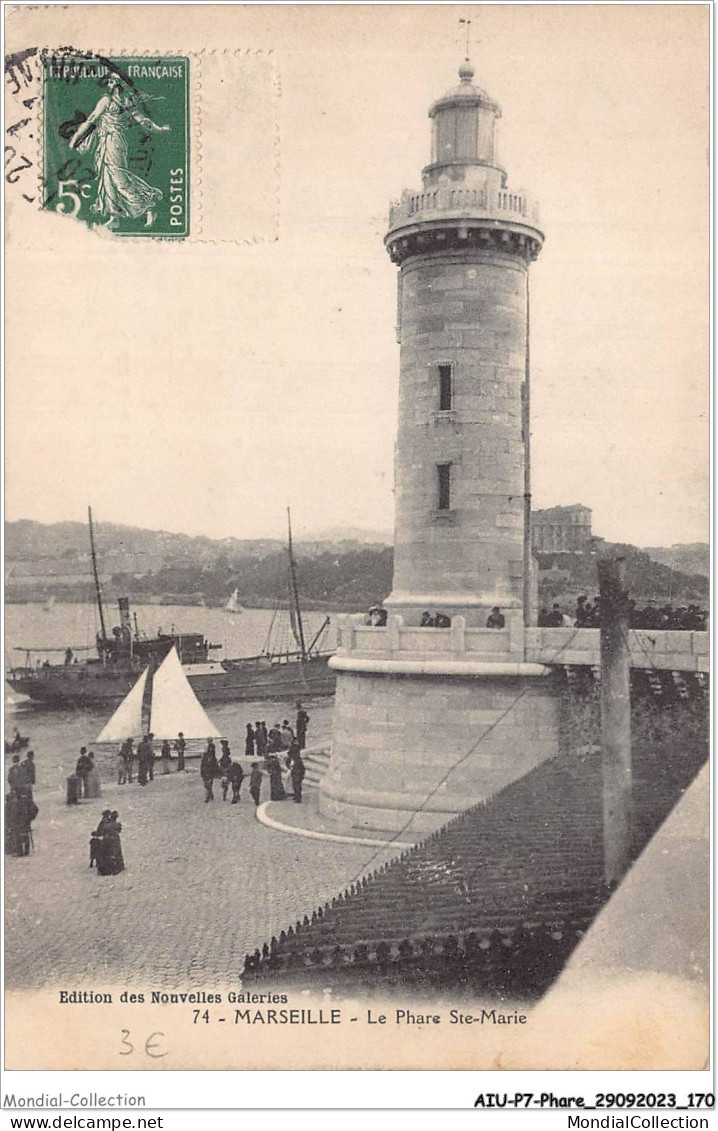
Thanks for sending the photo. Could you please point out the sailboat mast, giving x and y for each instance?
(98, 591)
(294, 593)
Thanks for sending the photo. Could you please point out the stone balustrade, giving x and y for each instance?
(473, 202)
(400, 641)
(668, 651)
(665, 650)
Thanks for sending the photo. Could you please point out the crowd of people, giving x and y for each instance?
(434, 620)
(281, 742)
(276, 751)
(20, 807)
(587, 614)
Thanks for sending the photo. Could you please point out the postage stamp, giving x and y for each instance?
(117, 142)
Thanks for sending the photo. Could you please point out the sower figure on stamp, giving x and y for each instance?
(120, 192)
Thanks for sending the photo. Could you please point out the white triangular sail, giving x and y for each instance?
(127, 719)
(233, 605)
(175, 707)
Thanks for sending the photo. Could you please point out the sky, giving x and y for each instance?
(204, 388)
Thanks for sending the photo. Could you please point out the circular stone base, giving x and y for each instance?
(411, 751)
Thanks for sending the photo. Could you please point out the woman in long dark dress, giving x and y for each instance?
(109, 857)
(20, 812)
(276, 786)
(96, 838)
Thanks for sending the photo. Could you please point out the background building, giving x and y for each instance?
(559, 529)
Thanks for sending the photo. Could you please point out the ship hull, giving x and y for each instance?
(236, 682)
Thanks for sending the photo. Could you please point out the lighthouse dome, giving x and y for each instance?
(467, 92)
(464, 124)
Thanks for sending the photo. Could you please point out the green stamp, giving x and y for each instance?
(116, 142)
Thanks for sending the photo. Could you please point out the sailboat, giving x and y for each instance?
(233, 605)
(288, 667)
(161, 703)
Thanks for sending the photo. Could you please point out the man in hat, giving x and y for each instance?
(28, 775)
(150, 757)
(302, 724)
(371, 620)
(496, 618)
(180, 747)
(556, 616)
(14, 776)
(297, 771)
(236, 776)
(142, 760)
(82, 769)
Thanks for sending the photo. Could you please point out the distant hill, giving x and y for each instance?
(563, 576)
(31, 541)
(692, 557)
(25, 540)
(54, 560)
(341, 568)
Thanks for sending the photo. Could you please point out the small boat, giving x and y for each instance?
(233, 605)
(17, 742)
(161, 703)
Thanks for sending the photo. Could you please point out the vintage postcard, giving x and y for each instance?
(356, 543)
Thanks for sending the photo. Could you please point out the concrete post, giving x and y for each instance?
(615, 721)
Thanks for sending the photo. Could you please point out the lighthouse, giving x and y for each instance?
(430, 719)
(463, 244)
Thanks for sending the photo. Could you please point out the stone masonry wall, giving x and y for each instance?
(395, 738)
(468, 309)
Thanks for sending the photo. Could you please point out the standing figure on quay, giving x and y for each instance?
(463, 244)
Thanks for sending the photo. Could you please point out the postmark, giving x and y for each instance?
(116, 142)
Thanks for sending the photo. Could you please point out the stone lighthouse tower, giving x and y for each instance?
(463, 244)
(412, 702)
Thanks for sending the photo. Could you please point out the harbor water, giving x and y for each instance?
(57, 735)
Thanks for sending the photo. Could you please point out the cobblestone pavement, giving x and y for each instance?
(203, 884)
